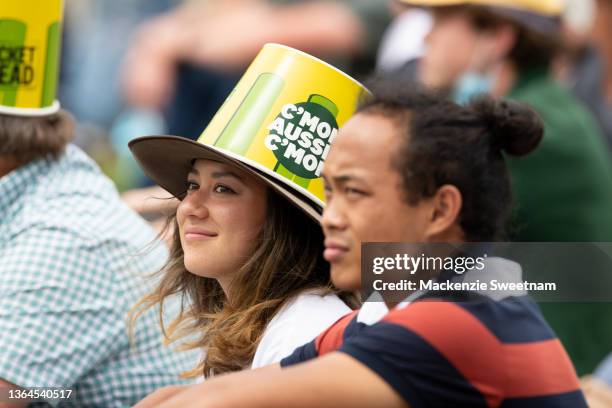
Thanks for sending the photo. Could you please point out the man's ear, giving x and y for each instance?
(444, 211)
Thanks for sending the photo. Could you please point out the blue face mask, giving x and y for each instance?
(471, 84)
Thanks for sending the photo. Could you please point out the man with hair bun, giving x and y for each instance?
(431, 350)
(73, 257)
(563, 192)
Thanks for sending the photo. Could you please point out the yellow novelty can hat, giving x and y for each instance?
(30, 37)
(278, 123)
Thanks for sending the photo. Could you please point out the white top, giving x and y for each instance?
(296, 323)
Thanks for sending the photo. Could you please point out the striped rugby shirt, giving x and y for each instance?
(460, 350)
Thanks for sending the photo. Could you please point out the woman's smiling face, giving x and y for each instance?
(220, 219)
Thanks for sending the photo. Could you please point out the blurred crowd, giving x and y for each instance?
(151, 69)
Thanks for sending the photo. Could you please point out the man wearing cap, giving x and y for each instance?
(563, 191)
(74, 258)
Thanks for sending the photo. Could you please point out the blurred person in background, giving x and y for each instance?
(95, 41)
(586, 67)
(75, 258)
(403, 43)
(563, 192)
(598, 394)
(598, 387)
(96, 37)
(196, 52)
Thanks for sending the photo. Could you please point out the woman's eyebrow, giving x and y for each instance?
(216, 174)
(219, 174)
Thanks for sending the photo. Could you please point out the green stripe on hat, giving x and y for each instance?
(12, 34)
(52, 65)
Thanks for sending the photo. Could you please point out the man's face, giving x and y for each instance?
(365, 201)
(450, 49)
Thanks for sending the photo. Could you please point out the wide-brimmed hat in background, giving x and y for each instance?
(540, 16)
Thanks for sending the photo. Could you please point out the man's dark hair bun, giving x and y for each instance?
(514, 127)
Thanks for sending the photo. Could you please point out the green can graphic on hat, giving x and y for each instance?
(312, 126)
(30, 40)
(278, 122)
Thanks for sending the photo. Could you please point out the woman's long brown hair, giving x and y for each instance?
(287, 260)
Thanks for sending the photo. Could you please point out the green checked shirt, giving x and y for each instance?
(73, 261)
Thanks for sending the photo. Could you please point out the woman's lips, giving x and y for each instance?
(196, 234)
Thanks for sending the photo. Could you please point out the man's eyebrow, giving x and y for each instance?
(341, 179)
(344, 178)
(194, 171)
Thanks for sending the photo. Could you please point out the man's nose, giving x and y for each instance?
(333, 217)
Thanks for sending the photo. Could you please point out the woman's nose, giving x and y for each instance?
(195, 204)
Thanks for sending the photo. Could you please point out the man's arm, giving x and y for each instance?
(161, 395)
(166, 393)
(335, 380)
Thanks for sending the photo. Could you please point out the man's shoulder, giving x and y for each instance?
(72, 194)
(333, 338)
(72, 211)
(482, 329)
(509, 321)
(70, 182)
(460, 343)
(85, 216)
(435, 319)
(76, 172)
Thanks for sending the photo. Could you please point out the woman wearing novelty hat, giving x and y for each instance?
(247, 252)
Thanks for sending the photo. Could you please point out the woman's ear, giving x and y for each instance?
(444, 214)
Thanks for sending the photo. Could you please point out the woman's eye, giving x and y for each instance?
(220, 188)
